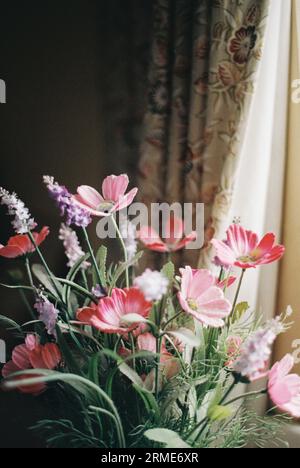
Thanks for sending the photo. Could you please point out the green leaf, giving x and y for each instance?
(201, 351)
(10, 324)
(149, 400)
(84, 292)
(186, 336)
(207, 403)
(67, 353)
(169, 439)
(130, 374)
(87, 388)
(70, 277)
(41, 274)
(219, 413)
(168, 271)
(94, 368)
(239, 311)
(122, 268)
(101, 258)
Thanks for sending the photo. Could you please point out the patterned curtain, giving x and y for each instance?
(204, 60)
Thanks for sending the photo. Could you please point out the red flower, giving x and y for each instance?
(32, 355)
(242, 44)
(108, 315)
(22, 245)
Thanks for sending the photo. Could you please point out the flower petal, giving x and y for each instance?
(150, 238)
(114, 187)
(89, 196)
(185, 241)
(125, 200)
(224, 253)
(51, 355)
(20, 357)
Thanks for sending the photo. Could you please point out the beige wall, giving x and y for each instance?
(289, 281)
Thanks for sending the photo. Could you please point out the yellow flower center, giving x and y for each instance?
(192, 304)
(105, 206)
(247, 259)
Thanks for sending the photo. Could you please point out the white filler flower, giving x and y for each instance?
(153, 284)
(22, 222)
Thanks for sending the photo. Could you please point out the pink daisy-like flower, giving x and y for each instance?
(108, 314)
(200, 297)
(244, 249)
(284, 388)
(175, 239)
(114, 197)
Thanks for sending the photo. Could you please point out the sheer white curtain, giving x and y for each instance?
(258, 196)
(260, 180)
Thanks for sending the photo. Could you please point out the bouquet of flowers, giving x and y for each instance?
(157, 359)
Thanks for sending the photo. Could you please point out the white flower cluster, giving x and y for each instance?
(72, 247)
(23, 222)
(255, 354)
(128, 233)
(153, 284)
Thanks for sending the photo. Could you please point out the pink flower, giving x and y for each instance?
(32, 355)
(113, 196)
(107, 315)
(284, 388)
(243, 248)
(200, 297)
(233, 349)
(226, 283)
(22, 245)
(175, 237)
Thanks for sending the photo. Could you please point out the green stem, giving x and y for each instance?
(123, 248)
(221, 274)
(158, 349)
(246, 395)
(238, 291)
(227, 393)
(172, 318)
(29, 274)
(132, 349)
(44, 264)
(92, 256)
(84, 278)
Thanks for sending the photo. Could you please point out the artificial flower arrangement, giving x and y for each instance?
(154, 360)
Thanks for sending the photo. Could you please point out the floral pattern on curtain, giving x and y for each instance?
(204, 60)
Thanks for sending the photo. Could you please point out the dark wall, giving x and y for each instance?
(70, 106)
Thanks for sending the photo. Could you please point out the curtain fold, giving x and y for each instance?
(205, 57)
(290, 267)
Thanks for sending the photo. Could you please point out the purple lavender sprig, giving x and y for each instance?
(48, 314)
(74, 213)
